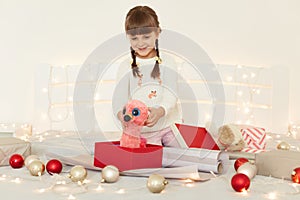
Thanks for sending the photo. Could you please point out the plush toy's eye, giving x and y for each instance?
(136, 112)
(124, 111)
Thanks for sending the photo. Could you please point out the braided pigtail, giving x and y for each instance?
(156, 71)
(134, 66)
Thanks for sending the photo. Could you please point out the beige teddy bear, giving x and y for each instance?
(230, 137)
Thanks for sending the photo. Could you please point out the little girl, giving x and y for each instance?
(149, 76)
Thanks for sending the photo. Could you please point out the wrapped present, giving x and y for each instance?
(277, 163)
(255, 138)
(193, 137)
(10, 146)
(111, 153)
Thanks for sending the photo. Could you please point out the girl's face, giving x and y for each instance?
(144, 44)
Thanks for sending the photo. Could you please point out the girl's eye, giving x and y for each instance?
(146, 36)
(135, 112)
(133, 38)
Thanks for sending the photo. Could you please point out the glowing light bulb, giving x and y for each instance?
(71, 197)
(86, 181)
(207, 116)
(121, 191)
(229, 78)
(244, 192)
(189, 183)
(246, 110)
(3, 177)
(97, 96)
(16, 180)
(41, 138)
(278, 136)
(44, 116)
(42, 190)
(271, 195)
(99, 188)
(45, 90)
(245, 76)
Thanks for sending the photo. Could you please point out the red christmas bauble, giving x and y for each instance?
(54, 167)
(296, 175)
(16, 161)
(240, 182)
(239, 162)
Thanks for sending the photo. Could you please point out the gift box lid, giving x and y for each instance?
(194, 137)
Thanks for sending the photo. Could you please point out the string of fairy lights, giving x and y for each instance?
(245, 89)
(243, 79)
(246, 81)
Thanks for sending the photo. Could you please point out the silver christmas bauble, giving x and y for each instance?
(156, 183)
(110, 174)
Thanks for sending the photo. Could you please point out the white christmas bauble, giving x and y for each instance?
(248, 169)
(110, 174)
(156, 183)
(78, 173)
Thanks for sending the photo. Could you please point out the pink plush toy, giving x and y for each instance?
(135, 114)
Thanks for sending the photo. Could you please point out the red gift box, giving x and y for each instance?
(111, 153)
(194, 137)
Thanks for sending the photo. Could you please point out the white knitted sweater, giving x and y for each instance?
(151, 92)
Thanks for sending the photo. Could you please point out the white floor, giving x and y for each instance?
(16, 184)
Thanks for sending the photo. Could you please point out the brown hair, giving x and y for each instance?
(143, 20)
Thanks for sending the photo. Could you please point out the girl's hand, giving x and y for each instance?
(154, 115)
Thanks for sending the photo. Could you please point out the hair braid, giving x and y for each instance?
(134, 66)
(156, 71)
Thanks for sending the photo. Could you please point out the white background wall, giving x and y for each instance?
(248, 32)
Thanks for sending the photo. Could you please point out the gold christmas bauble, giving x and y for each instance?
(110, 174)
(36, 168)
(156, 183)
(78, 173)
(283, 146)
(30, 159)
